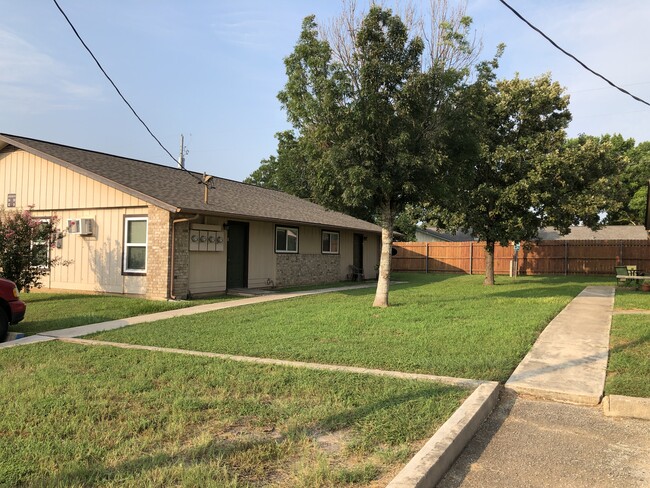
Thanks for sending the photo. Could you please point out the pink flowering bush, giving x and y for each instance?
(25, 244)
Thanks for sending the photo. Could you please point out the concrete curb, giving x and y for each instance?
(625, 406)
(431, 463)
(556, 395)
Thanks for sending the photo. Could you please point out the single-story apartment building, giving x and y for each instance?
(134, 227)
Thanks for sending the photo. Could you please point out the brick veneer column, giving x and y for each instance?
(158, 252)
(182, 259)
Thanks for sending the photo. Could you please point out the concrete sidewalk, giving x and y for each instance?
(83, 330)
(568, 363)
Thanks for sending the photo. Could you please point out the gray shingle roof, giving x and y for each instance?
(608, 233)
(448, 236)
(176, 190)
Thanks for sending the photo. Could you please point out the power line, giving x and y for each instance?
(571, 55)
(120, 93)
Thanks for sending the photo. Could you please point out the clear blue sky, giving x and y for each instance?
(212, 70)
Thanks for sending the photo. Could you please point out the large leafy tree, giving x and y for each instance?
(633, 196)
(374, 122)
(526, 175)
(288, 171)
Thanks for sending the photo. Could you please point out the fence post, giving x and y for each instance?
(620, 253)
(426, 259)
(566, 258)
(471, 255)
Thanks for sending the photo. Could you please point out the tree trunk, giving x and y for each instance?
(383, 281)
(489, 263)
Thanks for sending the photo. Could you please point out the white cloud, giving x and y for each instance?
(244, 28)
(31, 81)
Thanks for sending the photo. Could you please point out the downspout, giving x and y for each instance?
(171, 281)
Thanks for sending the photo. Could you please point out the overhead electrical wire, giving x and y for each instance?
(572, 56)
(120, 93)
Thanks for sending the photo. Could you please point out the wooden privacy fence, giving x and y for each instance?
(546, 257)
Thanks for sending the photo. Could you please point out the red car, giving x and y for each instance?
(12, 310)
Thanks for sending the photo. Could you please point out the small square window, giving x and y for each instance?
(330, 242)
(11, 200)
(286, 239)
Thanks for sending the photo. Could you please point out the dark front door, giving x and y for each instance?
(357, 253)
(237, 268)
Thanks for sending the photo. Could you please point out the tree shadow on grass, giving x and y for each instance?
(39, 297)
(31, 327)
(406, 280)
(644, 339)
(225, 452)
(567, 290)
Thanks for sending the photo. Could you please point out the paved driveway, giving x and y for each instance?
(533, 443)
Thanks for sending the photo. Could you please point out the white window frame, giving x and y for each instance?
(322, 242)
(127, 245)
(42, 220)
(286, 242)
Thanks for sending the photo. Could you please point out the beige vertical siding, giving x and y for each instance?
(347, 256)
(309, 239)
(95, 262)
(207, 272)
(47, 185)
(371, 253)
(261, 254)
(208, 269)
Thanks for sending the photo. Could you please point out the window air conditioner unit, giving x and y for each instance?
(83, 227)
(86, 227)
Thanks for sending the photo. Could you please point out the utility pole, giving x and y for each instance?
(183, 152)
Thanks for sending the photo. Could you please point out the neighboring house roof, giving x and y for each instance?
(607, 233)
(443, 235)
(177, 191)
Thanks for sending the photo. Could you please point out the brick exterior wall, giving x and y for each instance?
(158, 252)
(307, 269)
(182, 259)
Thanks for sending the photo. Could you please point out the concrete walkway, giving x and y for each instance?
(83, 330)
(568, 363)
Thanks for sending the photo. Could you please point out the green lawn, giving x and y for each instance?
(439, 324)
(53, 311)
(79, 416)
(628, 371)
(631, 299)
